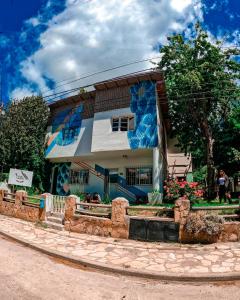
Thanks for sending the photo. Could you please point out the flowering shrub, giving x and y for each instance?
(173, 189)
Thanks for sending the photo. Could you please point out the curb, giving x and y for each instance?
(204, 277)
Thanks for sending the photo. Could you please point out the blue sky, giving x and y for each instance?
(44, 42)
(14, 12)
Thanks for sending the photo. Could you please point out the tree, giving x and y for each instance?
(227, 144)
(22, 137)
(201, 85)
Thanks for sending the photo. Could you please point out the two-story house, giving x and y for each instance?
(112, 140)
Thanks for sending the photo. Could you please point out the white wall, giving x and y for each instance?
(117, 161)
(178, 162)
(80, 147)
(85, 138)
(122, 163)
(103, 139)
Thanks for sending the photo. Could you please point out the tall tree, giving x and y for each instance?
(201, 85)
(227, 144)
(22, 137)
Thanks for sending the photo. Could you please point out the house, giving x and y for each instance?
(112, 140)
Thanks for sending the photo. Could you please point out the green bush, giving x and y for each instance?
(106, 200)
(3, 177)
(200, 174)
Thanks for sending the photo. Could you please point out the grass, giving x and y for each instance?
(201, 203)
(215, 203)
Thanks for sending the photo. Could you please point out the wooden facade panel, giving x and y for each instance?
(111, 99)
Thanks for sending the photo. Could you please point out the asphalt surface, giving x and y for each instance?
(28, 274)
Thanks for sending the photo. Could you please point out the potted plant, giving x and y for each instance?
(155, 197)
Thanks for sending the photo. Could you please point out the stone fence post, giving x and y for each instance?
(43, 212)
(70, 207)
(120, 220)
(20, 195)
(181, 212)
(1, 195)
(48, 201)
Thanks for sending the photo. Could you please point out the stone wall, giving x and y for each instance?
(117, 226)
(230, 232)
(20, 210)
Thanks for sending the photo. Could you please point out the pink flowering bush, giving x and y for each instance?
(174, 189)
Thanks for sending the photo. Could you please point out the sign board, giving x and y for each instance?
(20, 177)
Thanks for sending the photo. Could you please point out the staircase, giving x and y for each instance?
(119, 185)
(55, 221)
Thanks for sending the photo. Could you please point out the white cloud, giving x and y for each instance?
(33, 21)
(20, 93)
(89, 36)
(180, 5)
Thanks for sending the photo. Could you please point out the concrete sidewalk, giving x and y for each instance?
(151, 260)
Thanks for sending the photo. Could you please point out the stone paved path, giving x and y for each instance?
(132, 255)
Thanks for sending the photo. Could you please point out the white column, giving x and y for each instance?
(156, 169)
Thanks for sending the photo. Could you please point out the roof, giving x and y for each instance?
(121, 81)
(129, 79)
(73, 99)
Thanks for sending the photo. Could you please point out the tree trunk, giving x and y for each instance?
(210, 170)
(207, 134)
(210, 161)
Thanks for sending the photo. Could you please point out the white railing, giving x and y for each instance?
(55, 204)
(59, 204)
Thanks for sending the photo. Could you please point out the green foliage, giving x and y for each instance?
(200, 174)
(201, 81)
(227, 149)
(22, 137)
(156, 192)
(3, 177)
(106, 200)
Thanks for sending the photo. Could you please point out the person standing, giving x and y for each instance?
(223, 183)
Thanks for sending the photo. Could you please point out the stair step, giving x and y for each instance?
(55, 226)
(55, 220)
(57, 215)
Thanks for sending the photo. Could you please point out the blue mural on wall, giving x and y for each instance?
(143, 105)
(60, 118)
(66, 128)
(71, 129)
(62, 187)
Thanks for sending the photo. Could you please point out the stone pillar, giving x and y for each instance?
(1, 198)
(156, 169)
(181, 212)
(43, 211)
(2, 191)
(20, 195)
(70, 207)
(48, 202)
(120, 220)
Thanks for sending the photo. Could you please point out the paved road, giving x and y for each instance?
(28, 274)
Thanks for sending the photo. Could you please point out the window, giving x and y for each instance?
(79, 177)
(115, 124)
(124, 123)
(139, 176)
